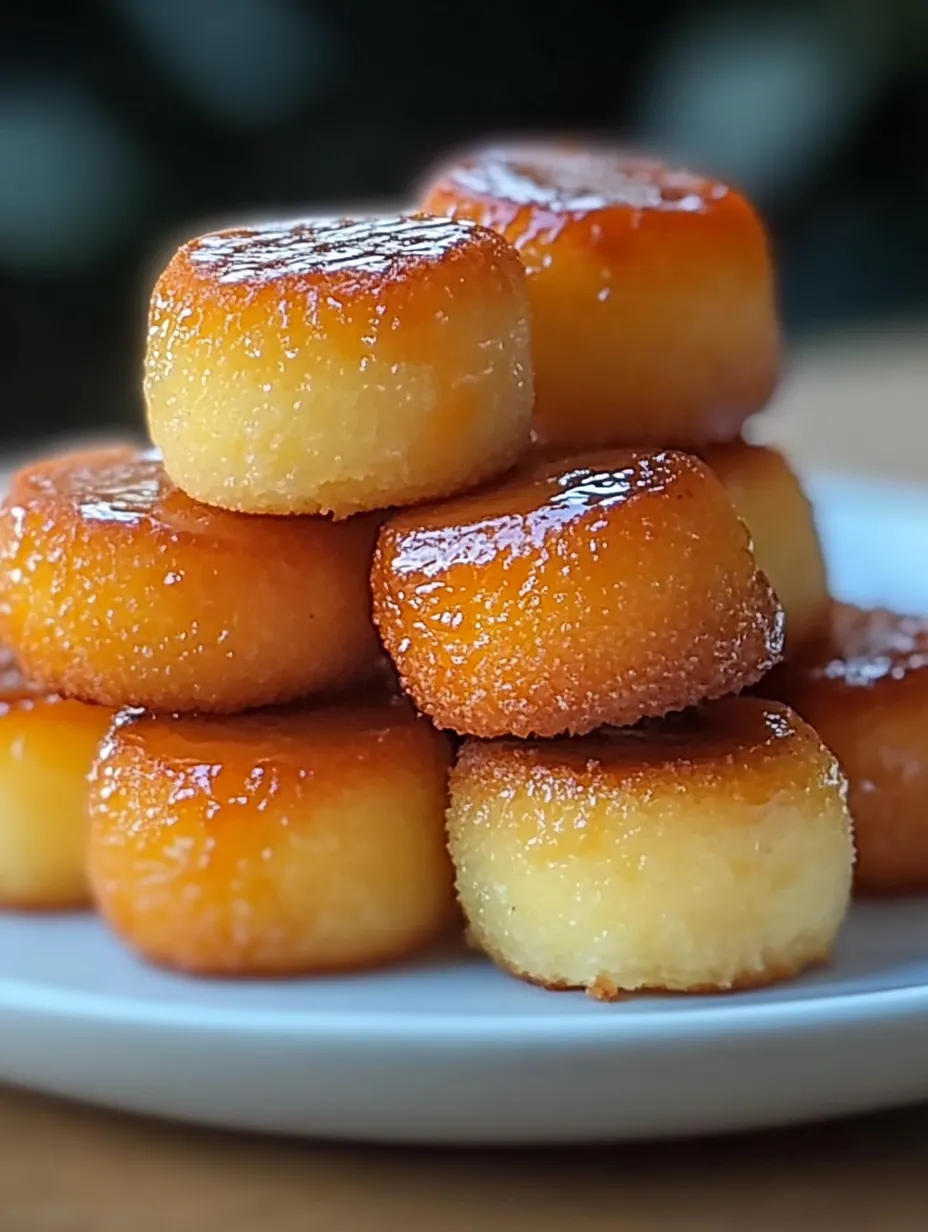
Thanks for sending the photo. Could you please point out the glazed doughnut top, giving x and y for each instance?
(517, 517)
(327, 742)
(863, 647)
(532, 192)
(721, 746)
(330, 254)
(128, 486)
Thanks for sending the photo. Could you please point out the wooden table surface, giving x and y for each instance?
(859, 405)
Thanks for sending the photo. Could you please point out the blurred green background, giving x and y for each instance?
(127, 125)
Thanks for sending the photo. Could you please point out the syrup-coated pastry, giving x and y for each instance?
(601, 590)
(116, 587)
(297, 840)
(339, 365)
(864, 686)
(707, 852)
(47, 746)
(769, 498)
(653, 313)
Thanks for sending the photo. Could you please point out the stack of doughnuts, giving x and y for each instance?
(437, 592)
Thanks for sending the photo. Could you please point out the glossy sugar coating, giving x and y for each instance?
(863, 685)
(769, 498)
(339, 365)
(288, 841)
(708, 852)
(116, 587)
(47, 746)
(600, 590)
(653, 314)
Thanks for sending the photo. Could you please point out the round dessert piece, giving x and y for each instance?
(47, 746)
(653, 315)
(287, 841)
(864, 686)
(339, 365)
(116, 587)
(601, 590)
(769, 498)
(704, 853)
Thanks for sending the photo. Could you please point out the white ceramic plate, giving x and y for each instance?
(449, 1050)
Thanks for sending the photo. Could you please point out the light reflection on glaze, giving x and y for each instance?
(577, 182)
(867, 647)
(715, 740)
(320, 247)
(530, 510)
(125, 486)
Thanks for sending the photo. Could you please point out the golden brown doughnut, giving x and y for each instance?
(864, 686)
(47, 746)
(769, 498)
(653, 314)
(275, 842)
(339, 365)
(601, 590)
(116, 587)
(703, 853)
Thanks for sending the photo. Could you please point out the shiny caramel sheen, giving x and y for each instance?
(600, 590)
(653, 314)
(701, 853)
(117, 588)
(47, 746)
(863, 685)
(296, 840)
(338, 365)
(769, 498)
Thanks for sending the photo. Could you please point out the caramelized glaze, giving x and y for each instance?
(598, 590)
(297, 840)
(339, 365)
(652, 292)
(333, 249)
(116, 587)
(531, 193)
(863, 684)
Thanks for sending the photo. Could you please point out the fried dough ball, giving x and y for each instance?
(864, 686)
(47, 746)
(653, 314)
(116, 587)
(275, 842)
(703, 853)
(769, 498)
(600, 590)
(339, 365)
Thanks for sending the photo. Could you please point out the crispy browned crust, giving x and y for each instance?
(117, 589)
(489, 639)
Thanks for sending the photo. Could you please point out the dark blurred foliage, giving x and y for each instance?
(126, 125)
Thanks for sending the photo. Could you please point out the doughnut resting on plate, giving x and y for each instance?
(599, 590)
(47, 746)
(653, 313)
(276, 842)
(707, 852)
(863, 685)
(338, 365)
(116, 587)
(768, 497)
